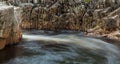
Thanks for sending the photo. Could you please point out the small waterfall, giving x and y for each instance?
(109, 51)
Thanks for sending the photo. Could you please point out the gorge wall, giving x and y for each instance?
(95, 17)
(70, 14)
(10, 32)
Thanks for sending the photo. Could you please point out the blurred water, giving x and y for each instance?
(60, 48)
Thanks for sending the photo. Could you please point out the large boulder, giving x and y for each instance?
(10, 32)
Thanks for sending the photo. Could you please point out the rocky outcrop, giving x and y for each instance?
(69, 15)
(107, 20)
(10, 32)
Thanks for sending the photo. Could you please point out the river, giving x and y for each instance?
(66, 47)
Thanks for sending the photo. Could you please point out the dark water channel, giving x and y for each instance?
(47, 52)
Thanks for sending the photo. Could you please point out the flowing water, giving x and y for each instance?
(41, 47)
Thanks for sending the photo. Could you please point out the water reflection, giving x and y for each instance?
(38, 53)
(9, 52)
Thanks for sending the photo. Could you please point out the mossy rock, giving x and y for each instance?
(87, 1)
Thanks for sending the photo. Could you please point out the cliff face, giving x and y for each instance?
(71, 15)
(10, 32)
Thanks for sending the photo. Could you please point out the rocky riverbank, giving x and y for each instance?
(100, 18)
